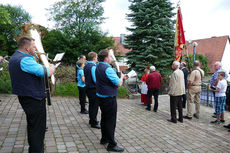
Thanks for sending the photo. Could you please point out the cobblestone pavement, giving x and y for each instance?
(137, 130)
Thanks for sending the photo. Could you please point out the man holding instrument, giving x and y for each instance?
(28, 84)
(106, 91)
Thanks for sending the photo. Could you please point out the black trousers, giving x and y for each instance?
(108, 108)
(36, 122)
(93, 105)
(176, 102)
(82, 97)
(155, 93)
(184, 98)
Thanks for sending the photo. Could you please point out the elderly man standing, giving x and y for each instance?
(176, 90)
(214, 79)
(153, 82)
(194, 90)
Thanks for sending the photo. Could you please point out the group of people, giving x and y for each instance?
(99, 82)
(182, 89)
(177, 91)
(150, 87)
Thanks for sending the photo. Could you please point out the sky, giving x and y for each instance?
(201, 18)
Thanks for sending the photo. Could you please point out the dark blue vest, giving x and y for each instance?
(88, 76)
(25, 84)
(103, 85)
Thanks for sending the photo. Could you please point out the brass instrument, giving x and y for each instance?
(114, 61)
(36, 32)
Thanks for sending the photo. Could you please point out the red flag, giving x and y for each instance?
(179, 36)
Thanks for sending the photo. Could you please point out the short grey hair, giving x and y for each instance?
(152, 68)
(176, 63)
(196, 63)
(218, 63)
(183, 64)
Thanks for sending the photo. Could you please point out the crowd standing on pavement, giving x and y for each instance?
(100, 82)
(187, 87)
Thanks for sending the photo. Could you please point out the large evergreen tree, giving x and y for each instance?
(152, 35)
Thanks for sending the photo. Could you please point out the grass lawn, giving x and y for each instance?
(70, 89)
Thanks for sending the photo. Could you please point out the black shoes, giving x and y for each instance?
(172, 121)
(84, 112)
(180, 120)
(103, 142)
(46, 129)
(196, 116)
(96, 126)
(149, 109)
(186, 117)
(215, 122)
(223, 121)
(155, 110)
(214, 116)
(115, 149)
(227, 126)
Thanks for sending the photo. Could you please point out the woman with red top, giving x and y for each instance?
(144, 88)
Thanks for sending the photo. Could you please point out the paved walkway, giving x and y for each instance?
(137, 130)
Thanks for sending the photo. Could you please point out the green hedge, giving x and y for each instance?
(5, 82)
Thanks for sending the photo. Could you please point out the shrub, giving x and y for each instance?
(65, 74)
(5, 82)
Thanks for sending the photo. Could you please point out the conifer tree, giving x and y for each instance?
(152, 35)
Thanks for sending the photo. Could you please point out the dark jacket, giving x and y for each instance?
(185, 71)
(25, 84)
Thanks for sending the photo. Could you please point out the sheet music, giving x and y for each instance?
(58, 57)
(132, 74)
(56, 65)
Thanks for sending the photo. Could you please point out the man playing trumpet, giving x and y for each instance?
(28, 84)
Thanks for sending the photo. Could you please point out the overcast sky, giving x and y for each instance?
(201, 18)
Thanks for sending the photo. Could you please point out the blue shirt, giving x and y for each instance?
(215, 76)
(93, 71)
(112, 76)
(29, 65)
(80, 73)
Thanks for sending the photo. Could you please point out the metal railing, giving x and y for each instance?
(207, 96)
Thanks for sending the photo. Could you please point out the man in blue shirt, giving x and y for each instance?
(214, 79)
(90, 81)
(81, 86)
(107, 82)
(27, 82)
